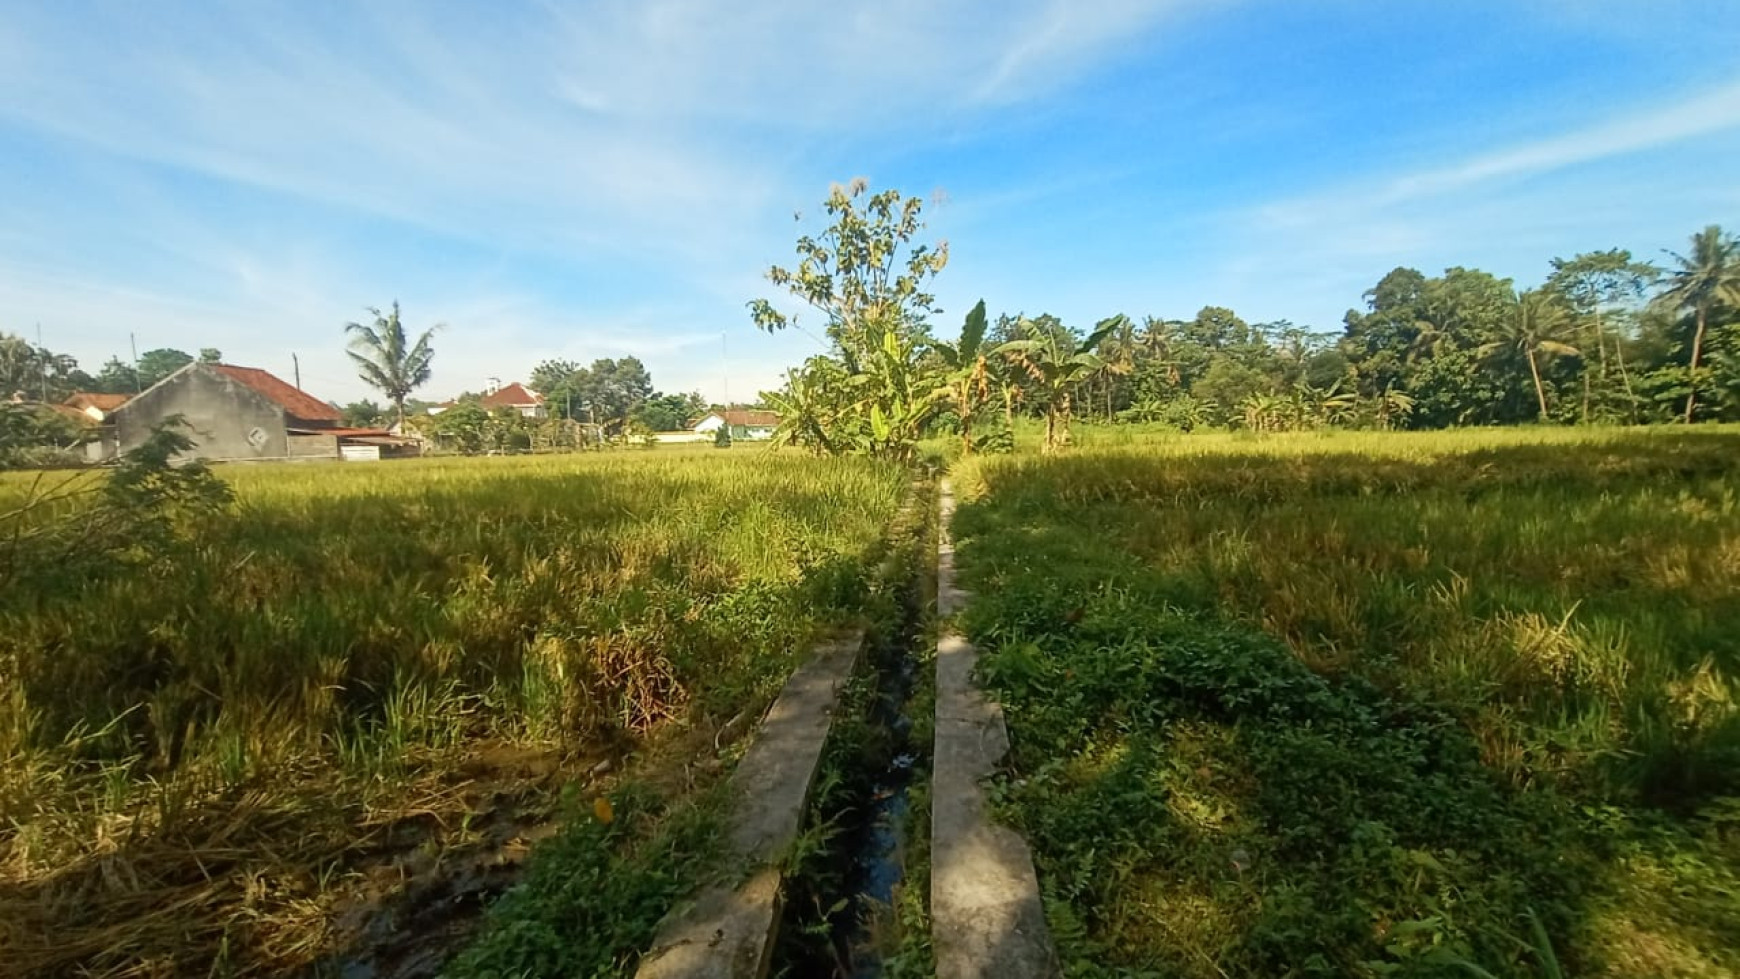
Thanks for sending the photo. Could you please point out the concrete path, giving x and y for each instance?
(986, 916)
(728, 932)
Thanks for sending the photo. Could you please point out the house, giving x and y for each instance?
(244, 413)
(743, 423)
(97, 407)
(529, 403)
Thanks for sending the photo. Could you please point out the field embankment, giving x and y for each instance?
(218, 756)
(1372, 705)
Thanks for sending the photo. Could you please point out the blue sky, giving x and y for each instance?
(598, 179)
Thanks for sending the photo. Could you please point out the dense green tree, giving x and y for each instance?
(36, 372)
(210, 355)
(363, 414)
(1706, 279)
(670, 412)
(155, 365)
(387, 360)
(607, 393)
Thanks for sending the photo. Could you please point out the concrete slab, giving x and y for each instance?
(727, 932)
(986, 915)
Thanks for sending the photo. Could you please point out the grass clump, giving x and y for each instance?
(1412, 705)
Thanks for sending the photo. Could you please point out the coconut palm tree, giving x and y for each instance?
(386, 360)
(1118, 351)
(1706, 278)
(966, 381)
(1059, 362)
(1537, 328)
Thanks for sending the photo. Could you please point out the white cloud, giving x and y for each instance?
(1635, 130)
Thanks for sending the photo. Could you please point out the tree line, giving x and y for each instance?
(1604, 338)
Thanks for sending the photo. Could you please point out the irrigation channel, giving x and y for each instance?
(844, 897)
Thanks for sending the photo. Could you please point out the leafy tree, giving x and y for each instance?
(387, 360)
(1228, 384)
(36, 372)
(670, 412)
(155, 365)
(1538, 329)
(1058, 364)
(552, 375)
(1707, 277)
(1591, 283)
(363, 414)
(862, 270)
(117, 377)
(868, 278)
(210, 355)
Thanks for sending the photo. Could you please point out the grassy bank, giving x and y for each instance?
(1373, 704)
(209, 753)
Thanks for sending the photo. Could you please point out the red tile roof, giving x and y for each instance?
(89, 399)
(296, 404)
(512, 396)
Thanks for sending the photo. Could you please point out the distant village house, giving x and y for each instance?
(744, 423)
(244, 413)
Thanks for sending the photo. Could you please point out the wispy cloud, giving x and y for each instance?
(1635, 130)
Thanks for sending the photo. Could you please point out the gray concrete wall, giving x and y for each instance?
(313, 446)
(220, 414)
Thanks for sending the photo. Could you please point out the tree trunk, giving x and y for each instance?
(1625, 377)
(1063, 417)
(966, 425)
(1050, 429)
(1540, 391)
(1692, 375)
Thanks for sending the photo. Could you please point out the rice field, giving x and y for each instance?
(213, 755)
(1445, 704)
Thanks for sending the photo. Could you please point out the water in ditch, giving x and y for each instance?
(839, 918)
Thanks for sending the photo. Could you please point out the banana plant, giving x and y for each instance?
(966, 382)
(1058, 363)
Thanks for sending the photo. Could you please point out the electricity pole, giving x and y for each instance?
(42, 355)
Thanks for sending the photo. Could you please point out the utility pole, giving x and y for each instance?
(42, 355)
(296, 365)
(133, 345)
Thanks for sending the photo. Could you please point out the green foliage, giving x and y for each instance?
(364, 414)
(128, 520)
(1438, 705)
(873, 393)
(35, 372)
(592, 897)
(670, 412)
(1058, 363)
(155, 365)
(608, 393)
(387, 360)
